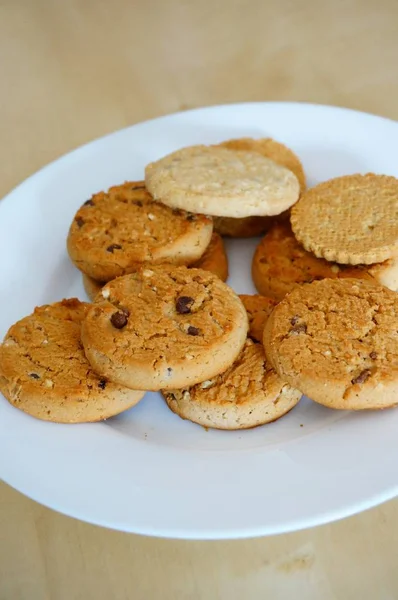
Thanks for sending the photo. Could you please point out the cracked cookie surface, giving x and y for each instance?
(175, 327)
(115, 232)
(349, 220)
(247, 394)
(214, 259)
(336, 341)
(44, 371)
(222, 182)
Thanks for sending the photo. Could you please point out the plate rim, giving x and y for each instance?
(209, 108)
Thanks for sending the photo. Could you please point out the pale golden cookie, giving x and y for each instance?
(44, 372)
(350, 220)
(254, 226)
(336, 341)
(222, 182)
(115, 232)
(273, 150)
(214, 259)
(164, 327)
(258, 310)
(246, 395)
(280, 263)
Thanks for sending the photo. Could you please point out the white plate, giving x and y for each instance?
(148, 471)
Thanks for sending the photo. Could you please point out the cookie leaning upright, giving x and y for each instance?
(222, 182)
(336, 341)
(164, 327)
(115, 232)
(44, 372)
(351, 219)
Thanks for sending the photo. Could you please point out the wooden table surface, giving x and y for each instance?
(75, 70)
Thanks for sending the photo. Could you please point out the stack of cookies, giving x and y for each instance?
(116, 232)
(335, 339)
(343, 228)
(163, 319)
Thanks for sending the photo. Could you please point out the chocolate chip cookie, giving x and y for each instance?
(44, 371)
(164, 327)
(246, 395)
(115, 232)
(214, 259)
(336, 341)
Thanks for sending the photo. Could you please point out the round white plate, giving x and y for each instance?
(147, 471)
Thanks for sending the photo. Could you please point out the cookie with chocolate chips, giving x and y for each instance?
(115, 232)
(336, 341)
(214, 260)
(44, 371)
(249, 393)
(164, 327)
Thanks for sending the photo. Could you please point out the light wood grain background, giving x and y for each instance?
(74, 70)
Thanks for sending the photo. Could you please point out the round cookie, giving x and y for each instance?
(273, 150)
(44, 372)
(214, 259)
(258, 310)
(164, 327)
(279, 153)
(280, 263)
(222, 182)
(350, 220)
(336, 341)
(246, 395)
(115, 232)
